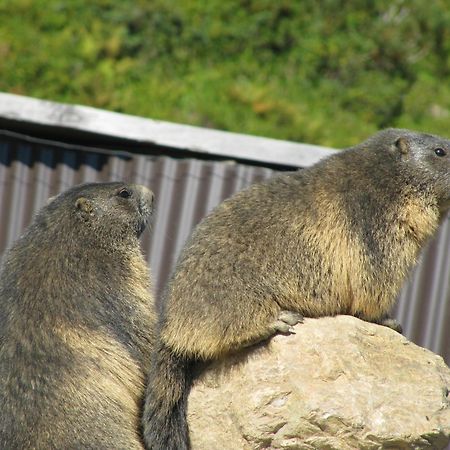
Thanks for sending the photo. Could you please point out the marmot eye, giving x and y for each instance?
(124, 193)
(440, 151)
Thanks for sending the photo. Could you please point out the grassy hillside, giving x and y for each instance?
(329, 72)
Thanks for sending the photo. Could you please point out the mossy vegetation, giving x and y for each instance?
(329, 72)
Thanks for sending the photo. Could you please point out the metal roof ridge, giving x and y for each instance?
(166, 134)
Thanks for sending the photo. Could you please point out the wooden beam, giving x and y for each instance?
(165, 134)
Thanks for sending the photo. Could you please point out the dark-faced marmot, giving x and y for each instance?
(337, 238)
(77, 323)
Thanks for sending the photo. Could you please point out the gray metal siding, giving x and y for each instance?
(424, 304)
(186, 190)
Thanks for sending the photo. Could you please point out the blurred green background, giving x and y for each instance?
(325, 72)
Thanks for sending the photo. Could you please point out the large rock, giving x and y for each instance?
(338, 383)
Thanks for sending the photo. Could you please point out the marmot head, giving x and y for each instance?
(109, 213)
(426, 159)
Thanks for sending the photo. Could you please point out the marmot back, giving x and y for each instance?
(337, 238)
(76, 323)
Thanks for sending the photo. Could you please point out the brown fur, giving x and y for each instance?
(77, 321)
(337, 238)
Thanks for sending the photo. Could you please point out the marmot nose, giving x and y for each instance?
(147, 195)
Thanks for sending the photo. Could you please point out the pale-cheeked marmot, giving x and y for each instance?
(339, 237)
(77, 323)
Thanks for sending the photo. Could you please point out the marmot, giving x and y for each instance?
(77, 322)
(336, 238)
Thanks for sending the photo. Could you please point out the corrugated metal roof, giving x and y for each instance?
(186, 190)
(424, 305)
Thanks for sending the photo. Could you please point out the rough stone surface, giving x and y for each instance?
(338, 383)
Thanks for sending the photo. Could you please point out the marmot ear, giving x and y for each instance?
(402, 145)
(50, 199)
(84, 206)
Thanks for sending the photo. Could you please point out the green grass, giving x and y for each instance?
(328, 73)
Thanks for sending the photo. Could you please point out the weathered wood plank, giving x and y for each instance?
(166, 134)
